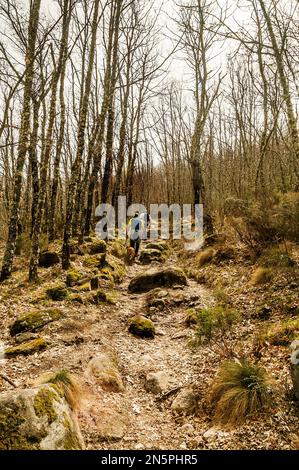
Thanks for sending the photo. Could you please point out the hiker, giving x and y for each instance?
(146, 219)
(134, 232)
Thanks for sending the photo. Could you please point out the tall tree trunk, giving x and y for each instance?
(55, 182)
(285, 89)
(23, 140)
(33, 276)
(80, 142)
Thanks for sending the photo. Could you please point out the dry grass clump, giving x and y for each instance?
(68, 385)
(281, 334)
(205, 257)
(241, 389)
(261, 276)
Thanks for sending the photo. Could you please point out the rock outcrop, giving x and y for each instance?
(166, 277)
(37, 419)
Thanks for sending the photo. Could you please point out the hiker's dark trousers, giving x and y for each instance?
(135, 244)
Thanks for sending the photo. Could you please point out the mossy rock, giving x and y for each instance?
(76, 298)
(95, 262)
(118, 249)
(160, 246)
(25, 349)
(95, 283)
(104, 368)
(48, 259)
(113, 269)
(166, 277)
(57, 293)
(37, 419)
(34, 320)
(141, 326)
(101, 296)
(72, 278)
(157, 298)
(148, 256)
(85, 287)
(96, 246)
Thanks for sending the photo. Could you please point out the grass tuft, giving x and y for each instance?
(241, 389)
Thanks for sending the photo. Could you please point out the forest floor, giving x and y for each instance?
(135, 418)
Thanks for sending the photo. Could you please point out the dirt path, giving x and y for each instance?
(150, 423)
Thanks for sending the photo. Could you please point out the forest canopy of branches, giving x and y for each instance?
(175, 102)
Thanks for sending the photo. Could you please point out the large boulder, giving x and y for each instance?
(166, 277)
(149, 256)
(37, 419)
(295, 367)
(104, 369)
(141, 326)
(48, 259)
(34, 320)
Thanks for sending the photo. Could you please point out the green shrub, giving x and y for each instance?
(214, 319)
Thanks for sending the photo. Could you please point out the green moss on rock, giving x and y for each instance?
(114, 269)
(141, 326)
(25, 349)
(148, 256)
(34, 320)
(72, 278)
(43, 404)
(57, 293)
(95, 262)
(153, 278)
(102, 296)
(97, 246)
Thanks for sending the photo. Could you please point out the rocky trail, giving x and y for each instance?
(146, 419)
(136, 392)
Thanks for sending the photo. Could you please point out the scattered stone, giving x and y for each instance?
(57, 293)
(25, 349)
(37, 419)
(161, 246)
(141, 326)
(264, 312)
(95, 283)
(95, 262)
(156, 382)
(104, 368)
(76, 298)
(34, 320)
(72, 278)
(97, 246)
(213, 433)
(149, 256)
(153, 278)
(27, 336)
(188, 429)
(186, 402)
(48, 259)
(102, 296)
